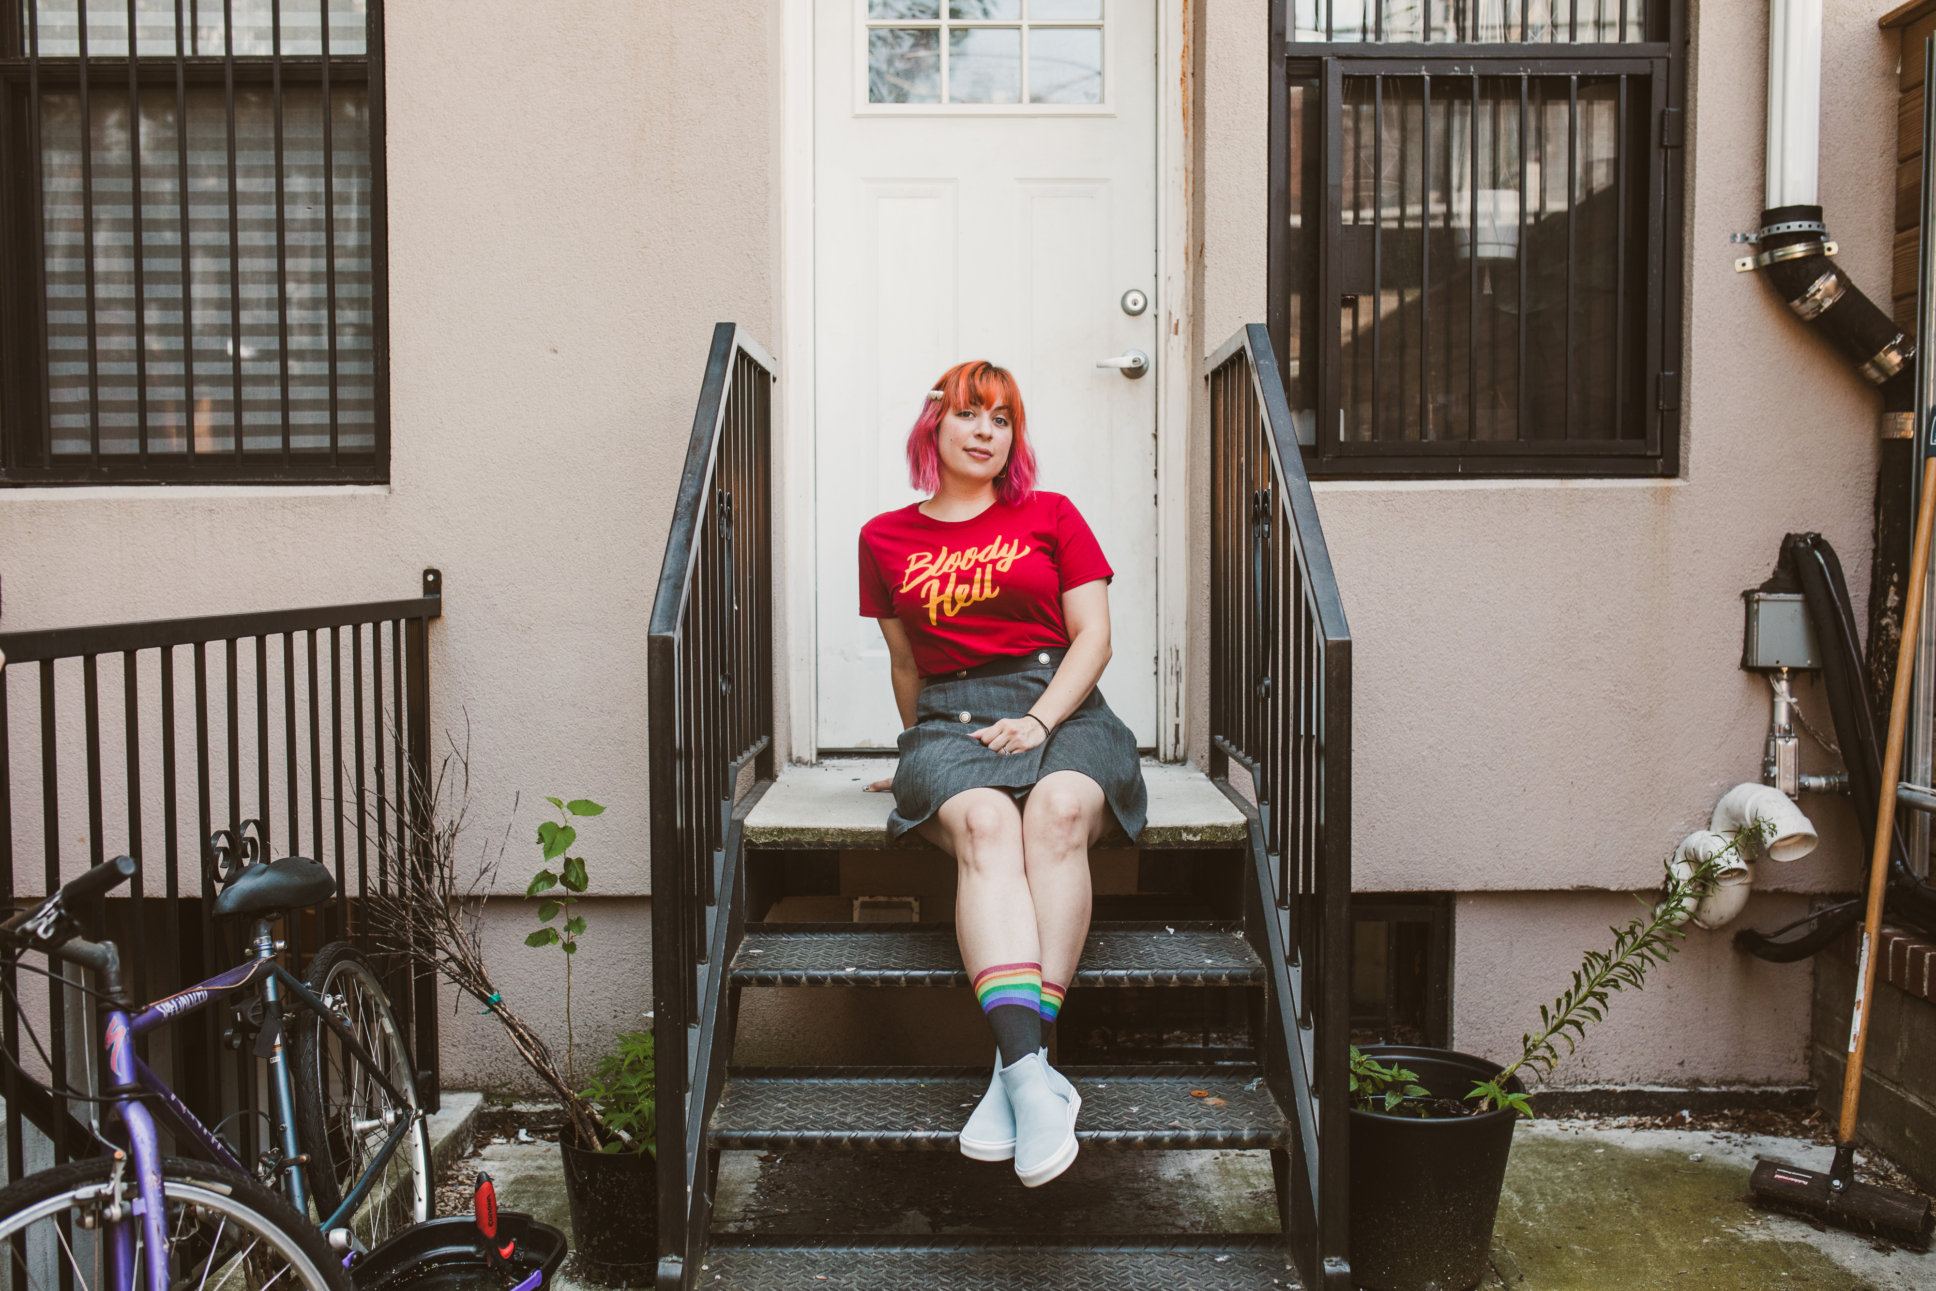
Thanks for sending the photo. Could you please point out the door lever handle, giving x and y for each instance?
(1132, 363)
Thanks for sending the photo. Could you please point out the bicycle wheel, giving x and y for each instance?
(343, 1114)
(226, 1233)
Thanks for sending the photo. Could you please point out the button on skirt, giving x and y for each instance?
(940, 756)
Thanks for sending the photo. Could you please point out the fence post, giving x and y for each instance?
(423, 1003)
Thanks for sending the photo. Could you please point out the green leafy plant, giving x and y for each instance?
(556, 837)
(622, 1088)
(1648, 939)
(1378, 1088)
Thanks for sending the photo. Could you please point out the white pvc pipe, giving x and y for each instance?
(1788, 834)
(1794, 102)
(1722, 906)
(1727, 896)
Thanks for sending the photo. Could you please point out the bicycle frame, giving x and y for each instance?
(273, 979)
(144, 1147)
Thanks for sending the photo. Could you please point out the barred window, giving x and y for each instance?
(1485, 284)
(193, 242)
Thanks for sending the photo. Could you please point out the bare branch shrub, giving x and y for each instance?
(434, 919)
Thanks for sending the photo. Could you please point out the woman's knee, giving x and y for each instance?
(987, 830)
(1060, 815)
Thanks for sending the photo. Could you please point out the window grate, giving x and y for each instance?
(200, 212)
(1552, 22)
(1485, 221)
(1473, 243)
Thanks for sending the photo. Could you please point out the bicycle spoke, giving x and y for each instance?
(214, 1247)
(73, 1261)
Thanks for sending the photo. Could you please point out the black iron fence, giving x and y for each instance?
(307, 730)
(1280, 731)
(709, 665)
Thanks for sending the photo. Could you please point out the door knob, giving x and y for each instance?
(1132, 364)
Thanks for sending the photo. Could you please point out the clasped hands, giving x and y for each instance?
(1009, 735)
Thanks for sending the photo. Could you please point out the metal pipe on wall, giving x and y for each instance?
(1795, 250)
(1794, 101)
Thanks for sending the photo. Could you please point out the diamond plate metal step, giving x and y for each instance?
(923, 1108)
(1223, 1263)
(925, 954)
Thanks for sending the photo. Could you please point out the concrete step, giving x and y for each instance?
(1215, 1263)
(925, 954)
(823, 807)
(923, 1108)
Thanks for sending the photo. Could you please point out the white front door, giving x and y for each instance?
(984, 188)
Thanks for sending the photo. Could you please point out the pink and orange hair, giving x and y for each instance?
(974, 384)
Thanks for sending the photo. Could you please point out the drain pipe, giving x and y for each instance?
(1785, 832)
(1794, 256)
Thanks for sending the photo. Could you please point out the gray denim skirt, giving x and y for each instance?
(940, 756)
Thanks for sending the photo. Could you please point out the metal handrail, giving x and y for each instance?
(1280, 719)
(709, 668)
(309, 726)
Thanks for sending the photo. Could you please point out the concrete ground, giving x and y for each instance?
(1586, 1207)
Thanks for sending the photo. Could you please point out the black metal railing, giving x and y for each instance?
(307, 729)
(1280, 748)
(709, 667)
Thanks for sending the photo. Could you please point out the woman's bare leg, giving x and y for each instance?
(994, 913)
(1065, 814)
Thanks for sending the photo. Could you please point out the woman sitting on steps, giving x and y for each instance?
(994, 599)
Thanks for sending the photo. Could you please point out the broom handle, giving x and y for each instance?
(1912, 617)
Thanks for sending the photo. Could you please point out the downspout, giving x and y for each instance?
(1793, 251)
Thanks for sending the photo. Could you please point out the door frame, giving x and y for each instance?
(1176, 376)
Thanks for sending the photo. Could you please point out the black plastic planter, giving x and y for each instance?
(614, 1198)
(1424, 1192)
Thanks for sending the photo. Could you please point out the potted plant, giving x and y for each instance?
(611, 1180)
(1431, 1129)
(436, 922)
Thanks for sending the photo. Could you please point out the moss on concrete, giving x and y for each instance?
(1582, 1211)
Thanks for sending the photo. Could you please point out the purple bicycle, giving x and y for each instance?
(349, 1155)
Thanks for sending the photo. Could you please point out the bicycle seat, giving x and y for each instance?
(292, 883)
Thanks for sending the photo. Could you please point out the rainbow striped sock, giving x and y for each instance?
(1016, 984)
(1051, 1005)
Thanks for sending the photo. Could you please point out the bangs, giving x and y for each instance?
(982, 385)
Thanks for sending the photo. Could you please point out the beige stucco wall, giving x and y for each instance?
(578, 191)
(1546, 694)
(1546, 688)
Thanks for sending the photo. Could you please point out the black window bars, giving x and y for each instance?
(308, 728)
(1474, 210)
(230, 324)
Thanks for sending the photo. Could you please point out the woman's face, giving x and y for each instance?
(974, 443)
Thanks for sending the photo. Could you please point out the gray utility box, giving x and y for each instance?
(1778, 633)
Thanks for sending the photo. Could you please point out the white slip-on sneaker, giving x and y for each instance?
(1045, 1121)
(989, 1134)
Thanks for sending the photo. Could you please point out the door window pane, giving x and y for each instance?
(904, 65)
(985, 65)
(1005, 10)
(1050, 10)
(1065, 65)
(1043, 51)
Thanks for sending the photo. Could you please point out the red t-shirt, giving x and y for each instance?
(973, 590)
